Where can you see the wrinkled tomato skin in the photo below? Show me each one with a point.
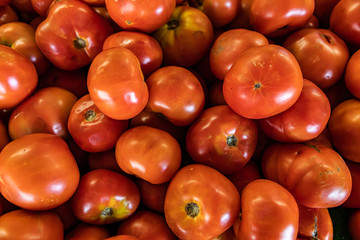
(89, 232)
(222, 139)
(46, 111)
(38, 172)
(189, 190)
(315, 174)
(352, 79)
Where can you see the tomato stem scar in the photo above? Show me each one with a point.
(90, 115)
(231, 140)
(107, 212)
(192, 209)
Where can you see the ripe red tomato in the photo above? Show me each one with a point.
(122, 237)
(303, 121)
(84, 231)
(264, 81)
(250, 172)
(104, 196)
(103, 160)
(38, 172)
(322, 11)
(149, 153)
(24, 224)
(354, 199)
(200, 203)
(47, 111)
(127, 96)
(352, 78)
(4, 136)
(7, 15)
(315, 174)
(222, 139)
(268, 211)
(66, 215)
(18, 77)
(152, 195)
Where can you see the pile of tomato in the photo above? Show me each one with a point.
(179, 119)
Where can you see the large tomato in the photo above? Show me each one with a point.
(200, 203)
(352, 78)
(116, 83)
(315, 174)
(38, 172)
(264, 81)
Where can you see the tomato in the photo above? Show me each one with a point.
(352, 80)
(7, 15)
(338, 93)
(322, 11)
(354, 199)
(152, 195)
(104, 196)
(353, 224)
(186, 38)
(200, 203)
(222, 139)
(18, 77)
(91, 129)
(344, 131)
(149, 153)
(103, 160)
(4, 136)
(38, 172)
(264, 81)
(227, 235)
(122, 237)
(146, 225)
(250, 172)
(78, 42)
(145, 15)
(229, 46)
(46, 111)
(23, 225)
(315, 223)
(344, 21)
(89, 232)
(268, 211)
(216, 96)
(315, 174)
(41, 7)
(21, 37)
(66, 215)
(304, 120)
(312, 49)
(176, 93)
(127, 96)
(144, 46)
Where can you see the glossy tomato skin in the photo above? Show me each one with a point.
(149, 153)
(313, 48)
(264, 81)
(186, 38)
(315, 174)
(116, 83)
(67, 42)
(344, 21)
(352, 79)
(89, 232)
(176, 93)
(38, 172)
(144, 46)
(354, 199)
(18, 77)
(195, 208)
(21, 37)
(222, 139)
(146, 225)
(144, 16)
(7, 15)
(91, 129)
(46, 111)
(304, 120)
(34, 225)
(229, 46)
(344, 131)
(104, 197)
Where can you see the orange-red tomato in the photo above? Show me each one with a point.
(7, 15)
(354, 199)
(352, 78)
(122, 237)
(152, 195)
(38, 172)
(250, 172)
(103, 160)
(84, 231)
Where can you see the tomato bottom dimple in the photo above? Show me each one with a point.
(192, 209)
(231, 140)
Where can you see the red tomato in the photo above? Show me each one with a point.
(323, 9)
(344, 130)
(315, 174)
(103, 160)
(354, 222)
(313, 48)
(304, 120)
(227, 235)
(216, 96)
(176, 93)
(91, 129)
(122, 237)
(352, 79)
(264, 81)
(84, 231)
(145, 15)
(152, 195)
(200, 203)
(149, 153)
(41, 7)
(66, 214)
(7, 15)
(38, 172)
(146, 225)
(229, 46)
(354, 199)
(127, 96)
(104, 197)
(244, 176)
(23, 225)
(46, 111)
(344, 21)
(222, 139)
(78, 42)
(4, 136)
(18, 77)
(186, 38)
(144, 46)
(268, 211)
